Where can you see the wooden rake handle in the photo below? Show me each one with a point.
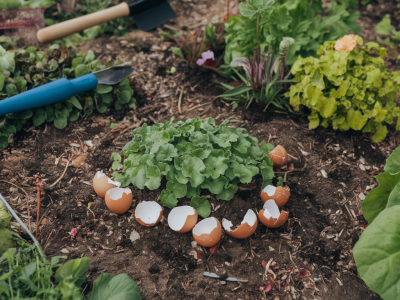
(69, 27)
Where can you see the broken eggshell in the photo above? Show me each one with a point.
(118, 200)
(270, 215)
(102, 183)
(279, 156)
(207, 232)
(245, 229)
(148, 213)
(182, 218)
(279, 194)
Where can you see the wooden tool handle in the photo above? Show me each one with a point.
(69, 27)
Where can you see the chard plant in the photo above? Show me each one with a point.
(26, 69)
(377, 252)
(26, 275)
(265, 23)
(347, 87)
(264, 81)
(193, 156)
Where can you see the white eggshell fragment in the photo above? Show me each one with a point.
(148, 213)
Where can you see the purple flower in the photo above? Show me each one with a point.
(207, 58)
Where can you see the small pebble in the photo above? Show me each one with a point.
(362, 168)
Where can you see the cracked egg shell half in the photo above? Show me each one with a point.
(148, 213)
(182, 218)
(245, 229)
(102, 183)
(207, 232)
(270, 215)
(278, 156)
(118, 200)
(279, 194)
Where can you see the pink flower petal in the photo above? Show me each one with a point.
(268, 288)
(73, 232)
(204, 56)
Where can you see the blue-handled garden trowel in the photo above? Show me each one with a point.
(62, 89)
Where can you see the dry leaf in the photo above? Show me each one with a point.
(79, 160)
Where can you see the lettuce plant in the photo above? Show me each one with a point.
(193, 156)
(392, 36)
(347, 89)
(377, 252)
(26, 69)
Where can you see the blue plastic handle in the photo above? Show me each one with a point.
(49, 93)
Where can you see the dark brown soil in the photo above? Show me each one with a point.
(325, 221)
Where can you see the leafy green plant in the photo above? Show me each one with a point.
(392, 36)
(377, 252)
(17, 4)
(26, 69)
(193, 156)
(264, 79)
(265, 23)
(347, 89)
(26, 275)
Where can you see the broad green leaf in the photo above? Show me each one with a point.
(81, 70)
(75, 270)
(215, 186)
(228, 192)
(104, 89)
(168, 199)
(39, 116)
(192, 168)
(191, 191)
(202, 206)
(11, 90)
(1, 82)
(244, 173)
(385, 26)
(166, 153)
(124, 97)
(153, 176)
(355, 119)
(393, 162)
(216, 164)
(119, 287)
(236, 91)
(177, 189)
(3, 141)
(377, 254)
(61, 123)
(377, 199)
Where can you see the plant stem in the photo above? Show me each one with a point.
(266, 107)
(258, 18)
(249, 102)
(38, 211)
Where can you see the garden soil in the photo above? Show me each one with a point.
(332, 172)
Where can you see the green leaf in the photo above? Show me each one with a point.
(355, 119)
(3, 141)
(153, 176)
(81, 70)
(228, 192)
(177, 51)
(177, 189)
(61, 123)
(75, 270)
(192, 168)
(377, 199)
(236, 91)
(1, 82)
(168, 199)
(385, 26)
(76, 62)
(104, 89)
(215, 186)
(39, 116)
(244, 173)
(201, 205)
(393, 162)
(377, 254)
(75, 102)
(216, 164)
(11, 90)
(124, 97)
(119, 287)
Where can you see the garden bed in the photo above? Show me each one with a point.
(333, 171)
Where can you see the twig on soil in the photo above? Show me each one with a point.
(293, 157)
(197, 106)
(265, 109)
(206, 110)
(292, 170)
(351, 218)
(61, 177)
(180, 101)
(251, 100)
(27, 200)
(39, 186)
(294, 123)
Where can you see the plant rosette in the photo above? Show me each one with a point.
(194, 156)
(347, 88)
